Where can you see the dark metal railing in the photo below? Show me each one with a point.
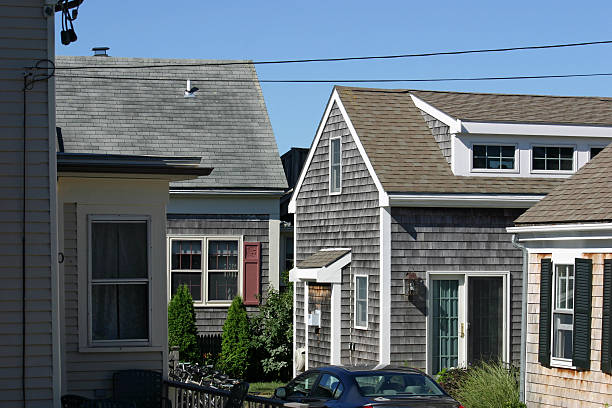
(185, 395)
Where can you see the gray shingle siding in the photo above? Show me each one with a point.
(319, 298)
(253, 228)
(447, 239)
(299, 315)
(440, 132)
(347, 220)
(226, 123)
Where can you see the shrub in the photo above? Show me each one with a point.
(272, 331)
(234, 358)
(489, 385)
(182, 330)
(450, 379)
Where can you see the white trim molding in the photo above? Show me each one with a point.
(384, 356)
(452, 123)
(336, 324)
(228, 192)
(327, 274)
(464, 200)
(561, 228)
(535, 129)
(335, 98)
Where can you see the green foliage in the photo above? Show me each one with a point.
(272, 331)
(450, 379)
(234, 358)
(488, 385)
(182, 330)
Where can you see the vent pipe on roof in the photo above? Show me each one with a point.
(100, 51)
(190, 91)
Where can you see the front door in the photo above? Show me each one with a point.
(485, 319)
(446, 318)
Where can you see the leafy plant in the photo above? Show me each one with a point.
(235, 345)
(272, 331)
(485, 385)
(182, 331)
(450, 379)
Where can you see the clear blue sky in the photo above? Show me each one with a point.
(271, 30)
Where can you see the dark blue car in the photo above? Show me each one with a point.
(362, 387)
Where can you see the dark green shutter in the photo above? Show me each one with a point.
(581, 355)
(606, 329)
(545, 312)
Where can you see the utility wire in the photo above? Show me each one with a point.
(375, 57)
(324, 81)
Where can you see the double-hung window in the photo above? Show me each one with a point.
(563, 312)
(493, 157)
(119, 281)
(211, 279)
(361, 302)
(552, 158)
(335, 167)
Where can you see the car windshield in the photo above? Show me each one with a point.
(400, 384)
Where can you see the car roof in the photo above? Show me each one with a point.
(368, 369)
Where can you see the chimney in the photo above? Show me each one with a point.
(100, 51)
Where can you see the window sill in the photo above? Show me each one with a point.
(552, 171)
(119, 349)
(495, 171)
(335, 193)
(211, 305)
(561, 363)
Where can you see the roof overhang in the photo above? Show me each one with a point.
(577, 235)
(228, 192)
(463, 200)
(105, 165)
(331, 273)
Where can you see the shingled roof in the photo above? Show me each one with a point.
(584, 197)
(145, 113)
(405, 155)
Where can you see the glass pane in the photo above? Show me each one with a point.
(595, 151)
(493, 163)
(120, 312)
(567, 152)
(480, 163)
(552, 164)
(493, 151)
(335, 151)
(562, 335)
(479, 150)
(187, 254)
(222, 255)
(445, 324)
(302, 384)
(192, 280)
(539, 164)
(362, 287)
(539, 152)
(222, 285)
(507, 163)
(508, 151)
(552, 153)
(567, 164)
(119, 250)
(335, 178)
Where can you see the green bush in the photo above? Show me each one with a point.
(489, 385)
(235, 344)
(272, 330)
(450, 379)
(182, 330)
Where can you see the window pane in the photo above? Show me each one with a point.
(362, 287)
(562, 335)
(567, 152)
(539, 152)
(567, 164)
(120, 312)
(361, 313)
(302, 384)
(539, 164)
(508, 151)
(493, 151)
(186, 254)
(480, 163)
(493, 163)
(223, 255)
(552, 164)
(192, 280)
(595, 151)
(507, 163)
(222, 285)
(335, 178)
(335, 151)
(479, 150)
(119, 250)
(552, 152)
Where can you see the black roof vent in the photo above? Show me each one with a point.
(100, 51)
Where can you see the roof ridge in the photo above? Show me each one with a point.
(150, 59)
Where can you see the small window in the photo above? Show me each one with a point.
(119, 284)
(335, 168)
(493, 157)
(595, 151)
(553, 158)
(222, 270)
(361, 302)
(563, 312)
(187, 266)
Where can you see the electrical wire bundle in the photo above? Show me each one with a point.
(68, 35)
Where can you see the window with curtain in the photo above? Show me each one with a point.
(361, 301)
(119, 284)
(335, 168)
(186, 266)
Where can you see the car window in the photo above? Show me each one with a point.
(327, 388)
(302, 384)
(386, 384)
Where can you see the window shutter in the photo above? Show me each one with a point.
(545, 312)
(251, 272)
(606, 332)
(581, 356)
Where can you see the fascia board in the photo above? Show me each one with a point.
(326, 274)
(464, 200)
(535, 129)
(452, 123)
(382, 195)
(560, 228)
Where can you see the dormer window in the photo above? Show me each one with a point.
(335, 168)
(493, 157)
(553, 158)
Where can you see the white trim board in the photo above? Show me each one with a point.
(383, 199)
(453, 124)
(327, 274)
(535, 129)
(464, 200)
(384, 356)
(562, 227)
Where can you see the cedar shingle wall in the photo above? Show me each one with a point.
(557, 387)
(319, 298)
(23, 41)
(299, 315)
(441, 133)
(447, 239)
(347, 220)
(253, 228)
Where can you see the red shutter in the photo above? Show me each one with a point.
(252, 266)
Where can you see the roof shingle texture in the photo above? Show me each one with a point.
(226, 123)
(584, 197)
(323, 258)
(405, 155)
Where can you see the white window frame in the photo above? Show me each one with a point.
(558, 361)
(205, 239)
(516, 168)
(367, 302)
(574, 158)
(91, 219)
(331, 190)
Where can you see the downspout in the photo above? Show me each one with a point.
(525, 277)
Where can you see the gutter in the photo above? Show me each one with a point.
(522, 364)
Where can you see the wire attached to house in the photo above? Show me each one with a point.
(359, 58)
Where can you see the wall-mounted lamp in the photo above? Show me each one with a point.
(411, 284)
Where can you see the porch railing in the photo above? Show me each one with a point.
(184, 395)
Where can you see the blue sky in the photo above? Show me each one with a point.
(271, 30)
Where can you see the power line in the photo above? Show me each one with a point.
(322, 81)
(375, 57)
